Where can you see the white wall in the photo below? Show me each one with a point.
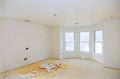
(1, 63)
(112, 43)
(55, 42)
(44, 42)
(1, 55)
(16, 36)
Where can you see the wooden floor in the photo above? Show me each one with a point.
(70, 69)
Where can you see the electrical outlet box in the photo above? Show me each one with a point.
(26, 48)
(25, 59)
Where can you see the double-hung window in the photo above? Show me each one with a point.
(98, 41)
(69, 41)
(84, 41)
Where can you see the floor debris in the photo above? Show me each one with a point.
(51, 67)
(43, 70)
(29, 75)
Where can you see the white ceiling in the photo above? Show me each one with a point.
(60, 12)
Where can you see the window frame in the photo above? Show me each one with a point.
(69, 41)
(98, 41)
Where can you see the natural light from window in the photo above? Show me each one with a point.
(98, 41)
(69, 40)
(84, 41)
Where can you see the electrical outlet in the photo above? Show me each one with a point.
(25, 59)
(26, 48)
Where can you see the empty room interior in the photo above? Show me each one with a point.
(59, 39)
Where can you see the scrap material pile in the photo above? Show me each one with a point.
(51, 67)
(43, 70)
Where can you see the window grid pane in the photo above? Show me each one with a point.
(98, 41)
(69, 41)
(69, 36)
(98, 36)
(84, 46)
(84, 41)
(69, 46)
(84, 36)
(98, 48)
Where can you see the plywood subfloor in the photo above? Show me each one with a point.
(72, 69)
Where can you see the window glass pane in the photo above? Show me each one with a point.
(98, 41)
(84, 46)
(98, 48)
(98, 35)
(84, 36)
(69, 36)
(69, 46)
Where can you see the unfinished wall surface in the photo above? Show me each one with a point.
(112, 43)
(1, 63)
(21, 40)
(43, 42)
(1, 54)
(55, 42)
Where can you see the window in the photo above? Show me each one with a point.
(84, 41)
(69, 41)
(98, 41)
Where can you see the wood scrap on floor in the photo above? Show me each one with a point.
(51, 66)
(43, 70)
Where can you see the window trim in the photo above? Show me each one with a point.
(98, 41)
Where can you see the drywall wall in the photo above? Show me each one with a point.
(55, 42)
(112, 43)
(1, 63)
(1, 55)
(16, 36)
